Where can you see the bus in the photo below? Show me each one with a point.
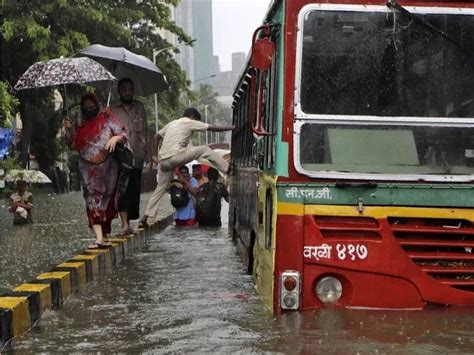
(352, 161)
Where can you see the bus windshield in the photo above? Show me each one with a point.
(387, 64)
(387, 149)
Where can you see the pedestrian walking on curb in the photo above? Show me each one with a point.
(131, 114)
(95, 139)
(176, 151)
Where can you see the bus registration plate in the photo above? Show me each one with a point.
(351, 252)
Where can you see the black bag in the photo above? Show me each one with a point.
(124, 155)
(179, 197)
(207, 199)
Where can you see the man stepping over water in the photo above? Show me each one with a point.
(176, 150)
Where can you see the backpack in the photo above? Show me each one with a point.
(179, 197)
(206, 200)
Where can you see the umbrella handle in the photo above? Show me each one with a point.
(65, 101)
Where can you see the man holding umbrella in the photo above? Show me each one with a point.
(132, 115)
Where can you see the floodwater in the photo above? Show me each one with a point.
(59, 231)
(187, 292)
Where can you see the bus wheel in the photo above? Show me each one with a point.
(250, 254)
(234, 233)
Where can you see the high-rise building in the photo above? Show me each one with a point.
(238, 61)
(195, 18)
(225, 82)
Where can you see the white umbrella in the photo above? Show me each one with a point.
(62, 71)
(30, 176)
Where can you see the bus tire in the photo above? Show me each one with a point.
(250, 259)
(234, 233)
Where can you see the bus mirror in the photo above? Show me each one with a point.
(262, 49)
(262, 54)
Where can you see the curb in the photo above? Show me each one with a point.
(21, 307)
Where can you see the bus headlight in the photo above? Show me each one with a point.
(329, 290)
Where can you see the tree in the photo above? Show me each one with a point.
(8, 105)
(35, 30)
(205, 99)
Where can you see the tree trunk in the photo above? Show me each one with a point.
(27, 113)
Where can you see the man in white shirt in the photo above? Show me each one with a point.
(176, 151)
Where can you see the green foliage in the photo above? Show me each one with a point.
(9, 163)
(45, 145)
(205, 100)
(36, 30)
(8, 106)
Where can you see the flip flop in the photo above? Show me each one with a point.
(143, 224)
(99, 246)
(124, 233)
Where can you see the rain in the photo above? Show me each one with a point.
(343, 135)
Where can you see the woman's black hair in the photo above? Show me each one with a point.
(212, 174)
(93, 97)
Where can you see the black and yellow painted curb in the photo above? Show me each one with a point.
(24, 305)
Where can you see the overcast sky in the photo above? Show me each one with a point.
(234, 22)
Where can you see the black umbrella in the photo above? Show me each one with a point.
(122, 63)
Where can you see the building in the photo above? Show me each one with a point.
(224, 82)
(195, 18)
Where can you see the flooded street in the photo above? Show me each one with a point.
(59, 231)
(187, 292)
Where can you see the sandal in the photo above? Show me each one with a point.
(104, 245)
(125, 232)
(143, 224)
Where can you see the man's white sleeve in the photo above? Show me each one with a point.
(199, 126)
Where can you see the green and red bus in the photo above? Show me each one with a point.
(353, 155)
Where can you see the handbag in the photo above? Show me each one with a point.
(124, 155)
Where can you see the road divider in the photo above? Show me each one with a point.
(21, 307)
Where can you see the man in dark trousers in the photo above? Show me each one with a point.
(132, 115)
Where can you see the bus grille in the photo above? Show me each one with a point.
(348, 228)
(443, 248)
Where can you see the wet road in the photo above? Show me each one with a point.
(187, 292)
(59, 231)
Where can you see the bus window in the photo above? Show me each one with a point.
(386, 64)
(387, 149)
(271, 110)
